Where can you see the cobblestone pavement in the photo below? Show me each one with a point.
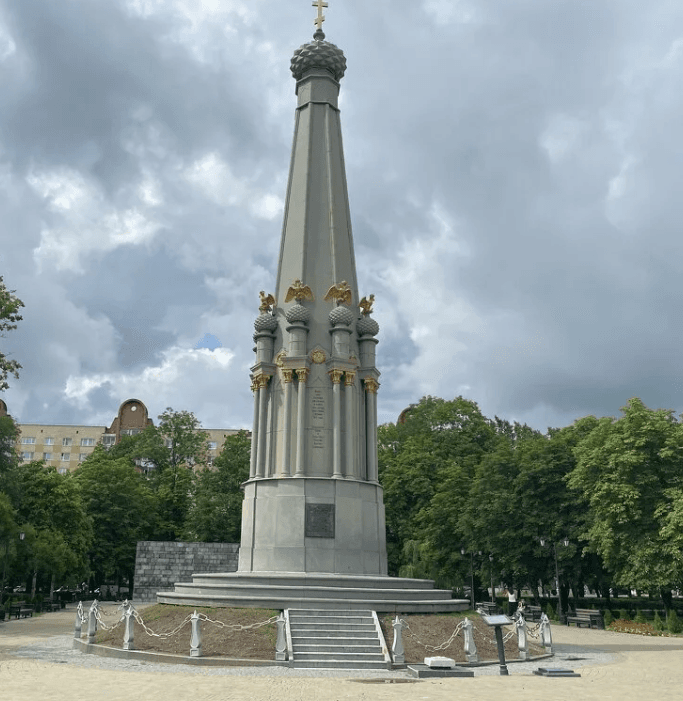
(37, 663)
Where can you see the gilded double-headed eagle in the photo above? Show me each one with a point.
(366, 304)
(267, 302)
(340, 292)
(299, 291)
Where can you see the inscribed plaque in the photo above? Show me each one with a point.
(320, 520)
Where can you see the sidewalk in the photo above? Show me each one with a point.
(38, 664)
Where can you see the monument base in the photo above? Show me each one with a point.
(309, 524)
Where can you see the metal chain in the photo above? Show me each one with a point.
(435, 648)
(493, 640)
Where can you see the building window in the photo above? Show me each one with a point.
(213, 445)
(62, 470)
(27, 456)
(130, 431)
(82, 457)
(47, 456)
(49, 441)
(28, 440)
(168, 442)
(66, 457)
(66, 441)
(108, 439)
(87, 441)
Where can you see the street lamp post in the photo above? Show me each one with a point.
(565, 542)
(464, 552)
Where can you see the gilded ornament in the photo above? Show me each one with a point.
(280, 358)
(366, 304)
(287, 375)
(339, 292)
(349, 378)
(371, 385)
(335, 376)
(267, 302)
(318, 356)
(299, 291)
(262, 380)
(302, 374)
(318, 21)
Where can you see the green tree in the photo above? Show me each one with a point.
(630, 471)
(216, 511)
(122, 509)
(9, 432)
(48, 502)
(10, 305)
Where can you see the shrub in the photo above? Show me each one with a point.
(673, 623)
(608, 618)
(624, 615)
(640, 617)
(550, 612)
(657, 624)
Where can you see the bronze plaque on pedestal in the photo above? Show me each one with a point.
(320, 520)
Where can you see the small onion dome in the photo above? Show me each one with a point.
(318, 54)
(297, 312)
(265, 322)
(367, 326)
(341, 315)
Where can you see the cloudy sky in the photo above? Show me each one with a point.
(515, 174)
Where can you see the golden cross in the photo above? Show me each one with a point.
(320, 18)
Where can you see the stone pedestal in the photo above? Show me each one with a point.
(322, 525)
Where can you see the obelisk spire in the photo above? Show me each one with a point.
(313, 502)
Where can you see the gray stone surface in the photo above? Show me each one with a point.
(159, 565)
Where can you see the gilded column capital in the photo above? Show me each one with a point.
(349, 377)
(335, 376)
(371, 385)
(254, 384)
(287, 375)
(302, 374)
(261, 380)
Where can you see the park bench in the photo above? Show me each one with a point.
(532, 613)
(50, 605)
(589, 617)
(489, 608)
(19, 609)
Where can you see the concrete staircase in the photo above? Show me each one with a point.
(342, 639)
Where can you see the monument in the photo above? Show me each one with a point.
(313, 528)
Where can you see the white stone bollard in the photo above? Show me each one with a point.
(397, 650)
(128, 631)
(522, 642)
(92, 622)
(78, 625)
(281, 642)
(470, 645)
(546, 635)
(196, 637)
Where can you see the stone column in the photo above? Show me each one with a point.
(335, 376)
(262, 423)
(254, 438)
(302, 376)
(351, 463)
(371, 387)
(286, 421)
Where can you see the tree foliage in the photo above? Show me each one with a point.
(216, 511)
(10, 305)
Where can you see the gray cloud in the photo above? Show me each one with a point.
(514, 176)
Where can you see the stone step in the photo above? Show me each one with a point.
(306, 627)
(351, 647)
(339, 664)
(275, 600)
(335, 593)
(341, 633)
(331, 612)
(306, 580)
(296, 619)
(348, 656)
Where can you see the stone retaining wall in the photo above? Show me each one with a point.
(159, 565)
